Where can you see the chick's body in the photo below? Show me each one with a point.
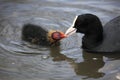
(37, 35)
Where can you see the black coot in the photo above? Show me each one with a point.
(97, 38)
(38, 35)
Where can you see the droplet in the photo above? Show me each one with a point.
(95, 59)
(13, 63)
(45, 56)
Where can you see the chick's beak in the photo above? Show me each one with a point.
(63, 35)
(70, 31)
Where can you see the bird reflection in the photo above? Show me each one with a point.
(57, 56)
(90, 66)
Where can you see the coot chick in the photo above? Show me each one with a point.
(96, 37)
(38, 35)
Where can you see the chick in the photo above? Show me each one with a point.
(38, 35)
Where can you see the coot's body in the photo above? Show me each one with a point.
(111, 37)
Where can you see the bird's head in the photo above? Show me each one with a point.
(85, 24)
(55, 36)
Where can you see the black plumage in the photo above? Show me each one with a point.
(35, 34)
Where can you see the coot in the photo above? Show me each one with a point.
(97, 38)
(38, 35)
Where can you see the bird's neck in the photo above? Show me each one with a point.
(49, 36)
(89, 41)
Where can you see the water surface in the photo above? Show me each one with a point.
(20, 60)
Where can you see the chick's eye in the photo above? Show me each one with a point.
(56, 36)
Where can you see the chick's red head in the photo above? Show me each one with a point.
(54, 35)
(58, 35)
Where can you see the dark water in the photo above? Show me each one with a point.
(20, 60)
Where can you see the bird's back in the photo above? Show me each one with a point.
(111, 39)
(35, 34)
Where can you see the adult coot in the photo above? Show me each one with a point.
(38, 35)
(96, 37)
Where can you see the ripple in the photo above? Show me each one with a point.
(66, 9)
(17, 47)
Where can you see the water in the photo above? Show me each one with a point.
(20, 60)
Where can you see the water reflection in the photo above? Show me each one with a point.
(56, 54)
(90, 66)
(92, 63)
